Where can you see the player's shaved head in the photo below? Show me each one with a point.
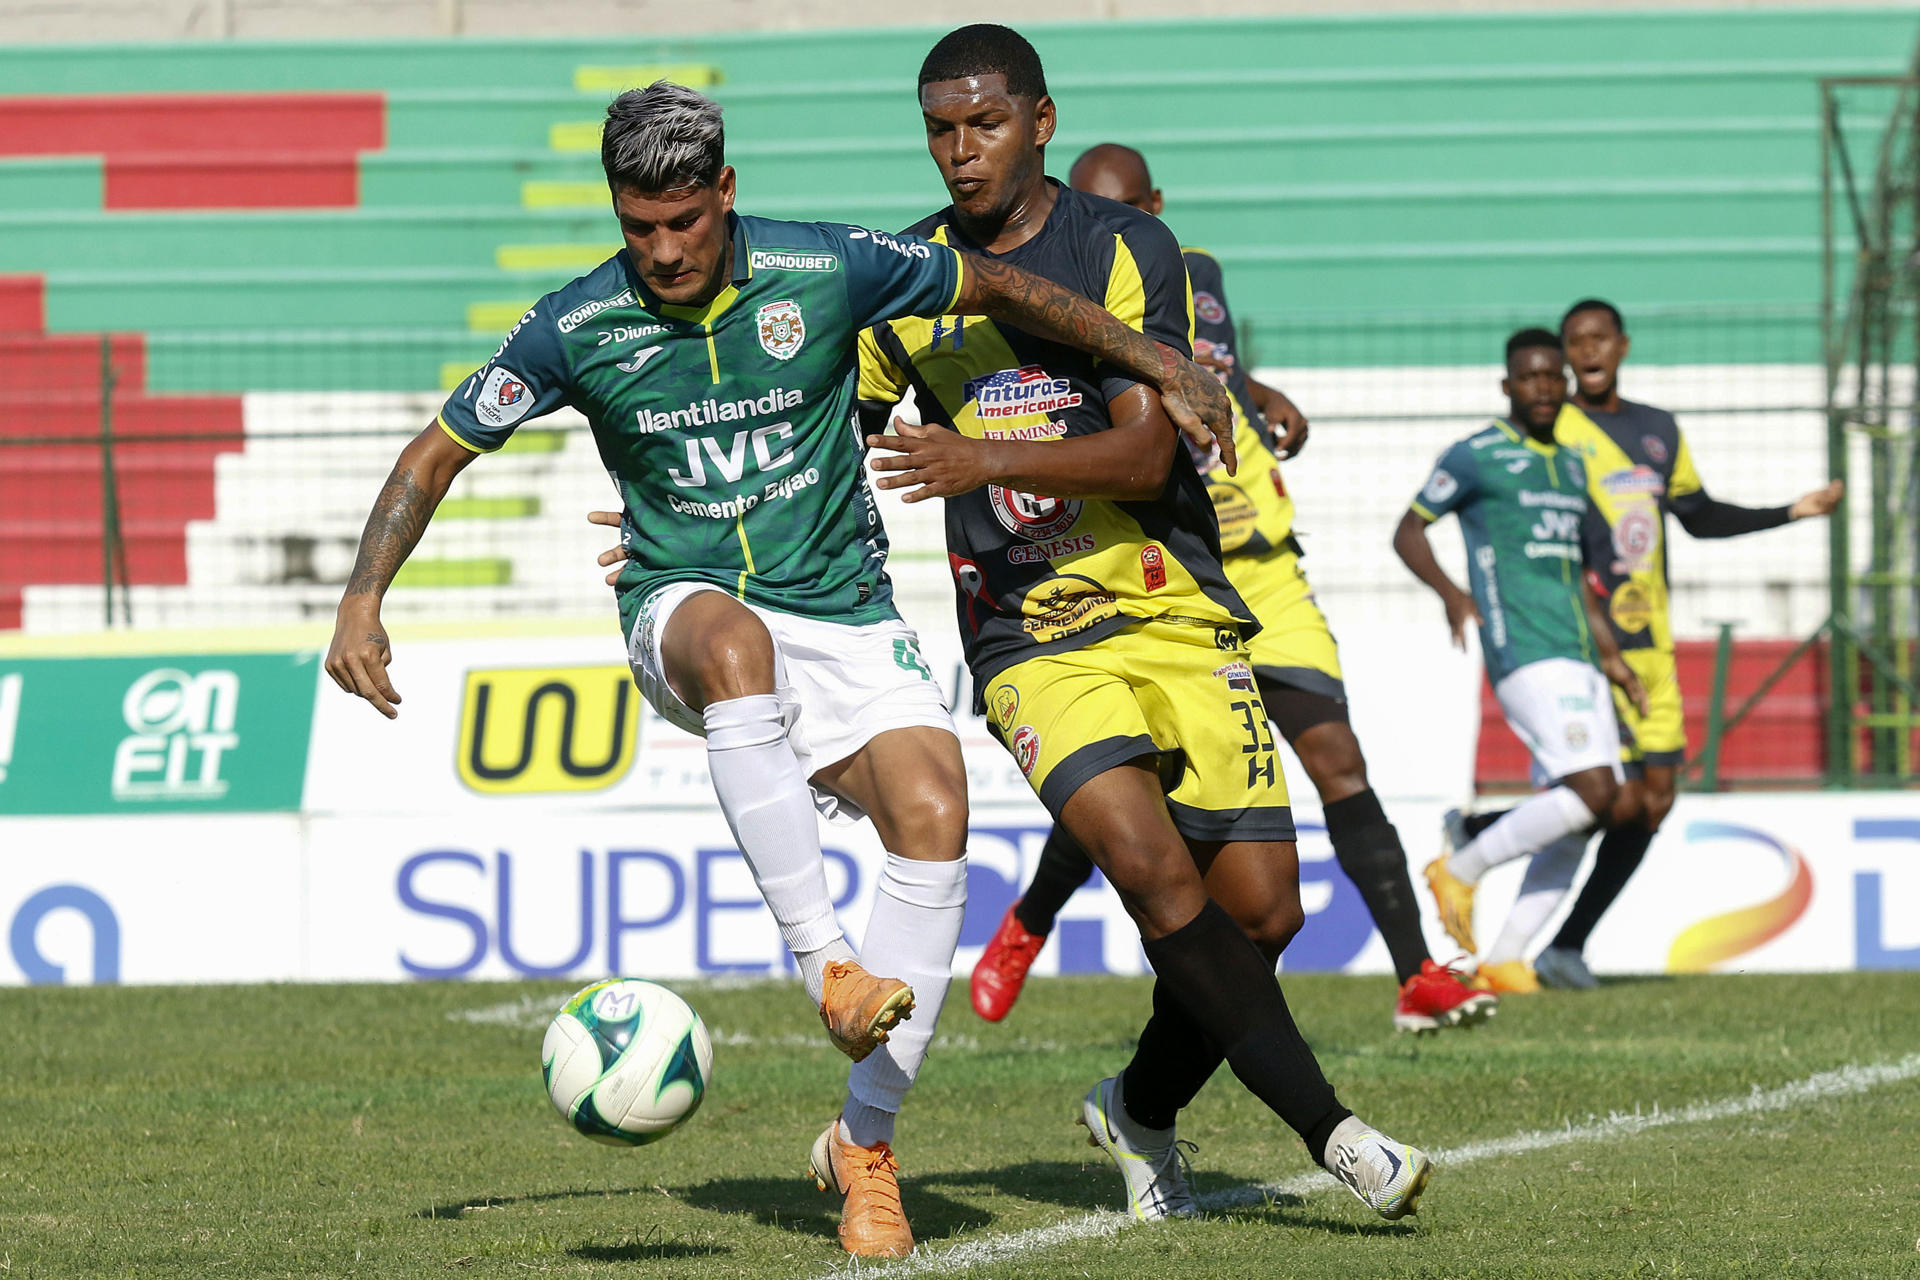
(983, 49)
(1118, 173)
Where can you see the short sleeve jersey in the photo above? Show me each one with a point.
(1254, 508)
(1033, 571)
(1637, 464)
(1520, 505)
(729, 428)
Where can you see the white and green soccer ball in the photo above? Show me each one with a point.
(626, 1061)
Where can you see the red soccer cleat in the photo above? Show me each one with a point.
(1003, 966)
(1437, 997)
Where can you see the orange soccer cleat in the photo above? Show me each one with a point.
(873, 1224)
(1003, 966)
(860, 1008)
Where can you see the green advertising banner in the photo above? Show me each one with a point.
(172, 733)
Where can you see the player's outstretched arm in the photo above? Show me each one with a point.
(1411, 545)
(1193, 398)
(1612, 664)
(358, 657)
(1283, 416)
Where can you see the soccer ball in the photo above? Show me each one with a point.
(626, 1061)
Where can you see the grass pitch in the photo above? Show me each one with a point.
(402, 1131)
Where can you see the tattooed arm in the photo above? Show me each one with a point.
(357, 660)
(1192, 397)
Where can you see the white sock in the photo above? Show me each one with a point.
(1549, 876)
(865, 1126)
(1533, 824)
(770, 811)
(912, 936)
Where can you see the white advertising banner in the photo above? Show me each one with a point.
(1802, 881)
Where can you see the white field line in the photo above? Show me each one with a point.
(1839, 1083)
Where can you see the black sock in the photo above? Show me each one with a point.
(1620, 852)
(1478, 822)
(1174, 1059)
(1370, 853)
(1227, 988)
(1064, 867)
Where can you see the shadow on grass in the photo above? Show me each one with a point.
(647, 1251)
(460, 1208)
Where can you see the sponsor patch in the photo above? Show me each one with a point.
(1440, 486)
(1208, 308)
(1636, 532)
(1014, 393)
(1042, 552)
(1065, 606)
(588, 310)
(1026, 748)
(1236, 515)
(1006, 705)
(1656, 449)
(639, 358)
(1238, 675)
(1030, 515)
(1631, 608)
(787, 260)
(1637, 480)
(504, 398)
(1576, 735)
(1226, 639)
(1153, 566)
(782, 329)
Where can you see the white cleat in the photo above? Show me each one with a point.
(1388, 1176)
(1150, 1160)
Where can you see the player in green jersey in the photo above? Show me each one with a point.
(715, 360)
(1543, 637)
(1104, 637)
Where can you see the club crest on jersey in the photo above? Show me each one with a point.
(782, 329)
(1030, 515)
(1636, 532)
(1006, 705)
(1153, 566)
(1440, 487)
(1656, 448)
(1026, 748)
(1014, 393)
(1208, 308)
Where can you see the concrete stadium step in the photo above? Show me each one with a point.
(123, 124)
(64, 484)
(772, 56)
(135, 414)
(71, 361)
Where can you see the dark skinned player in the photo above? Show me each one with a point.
(1105, 640)
(1295, 662)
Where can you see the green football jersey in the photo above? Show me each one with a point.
(1521, 504)
(728, 429)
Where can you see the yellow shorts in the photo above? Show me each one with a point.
(1182, 693)
(1660, 736)
(1295, 648)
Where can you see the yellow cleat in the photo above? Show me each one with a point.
(859, 1008)
(1454, 897)
(873, 1224)
(1507, 978)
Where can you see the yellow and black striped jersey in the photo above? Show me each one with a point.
(1254, 509)
(1033, 571)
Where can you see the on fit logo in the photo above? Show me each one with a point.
(180, 728)
(544, 729)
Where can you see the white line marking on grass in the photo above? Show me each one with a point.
(1838, 1083)
(532, 1013)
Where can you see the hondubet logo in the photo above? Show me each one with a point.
(180, 729)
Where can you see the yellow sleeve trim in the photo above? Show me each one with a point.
(1422, 512)
(459, 439)
(959, 277)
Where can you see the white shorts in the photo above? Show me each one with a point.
(1562, 709)
(839, 686)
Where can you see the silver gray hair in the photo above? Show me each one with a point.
(661, 138)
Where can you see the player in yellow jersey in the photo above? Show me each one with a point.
(1295, 662)
(1639, 469)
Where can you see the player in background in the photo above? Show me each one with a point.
(1638, 469)
(1104, 638)
(715, 359)
(1296, 663)
(1521, 499)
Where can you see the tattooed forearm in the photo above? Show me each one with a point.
(399, 517)
(1046, 310)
